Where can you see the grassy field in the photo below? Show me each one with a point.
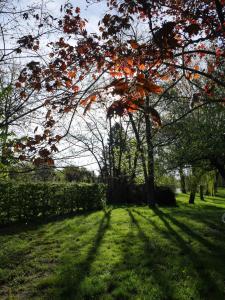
(123, 253)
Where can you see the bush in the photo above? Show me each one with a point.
(165, 196)
(29, 201)
(125, 193)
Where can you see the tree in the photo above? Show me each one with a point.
(73, 173)
(135, 66)
(185, 43)
(194, 142)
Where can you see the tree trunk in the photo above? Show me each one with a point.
(4, 156)
(111, 181)
(193, 186)
(216, 182)
(201, 189)
(182, 181)
(192, 197)
(143, 160)
(150, 154)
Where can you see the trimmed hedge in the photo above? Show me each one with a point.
(29, 201)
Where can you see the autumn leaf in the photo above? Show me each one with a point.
(128, 71)
(140, 76)
(68, 83)
(150, 86)
(67, 109)
(50, 161)
(140, 89)
(211, 68)
(132, 107)
(18, 84)
(84, 102)
(71, 74)
(87, 100)
(75, 88)
(44, 152)
(165, 77)
(155, 116)
(130, 61)
(77, 10)
(58, 137)
(23, 94)
(120, 86)
(196, 76)
(116, 74)
(141, 67)
(196, 67)
(134, 44)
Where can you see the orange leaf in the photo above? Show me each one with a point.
(196, 76)
(128, 71)
(130, 61)
(132, 107)
(134, 44)
(116, 74)
(140, 76)
(71, 74)
(152, 87)
(119, 85)
(68, 83)
(75, 88)
(88, 100)
(141, 67)
(165, 77)
(84, 102)
(140, 90)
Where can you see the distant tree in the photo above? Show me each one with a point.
(43, 173)
(78, 174)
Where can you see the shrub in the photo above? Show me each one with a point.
(123, 193)
(165, 196)
(29, 201)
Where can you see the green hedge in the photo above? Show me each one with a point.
(29, 201)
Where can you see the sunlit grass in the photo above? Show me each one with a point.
(122, 253)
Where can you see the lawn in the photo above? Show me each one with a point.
(122, 253)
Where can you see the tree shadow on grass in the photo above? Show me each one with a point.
(201, 264)
(71, 274)
(187, 230)
(153, 261)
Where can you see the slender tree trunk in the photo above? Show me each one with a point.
(4, 158)
(141, 150)
(192, 197)
(194, 186)
(182, 181)
(201, 192)
(111, 182)
(150, 155)
(216, 182)
(193, 193)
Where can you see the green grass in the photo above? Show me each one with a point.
(123, 253)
